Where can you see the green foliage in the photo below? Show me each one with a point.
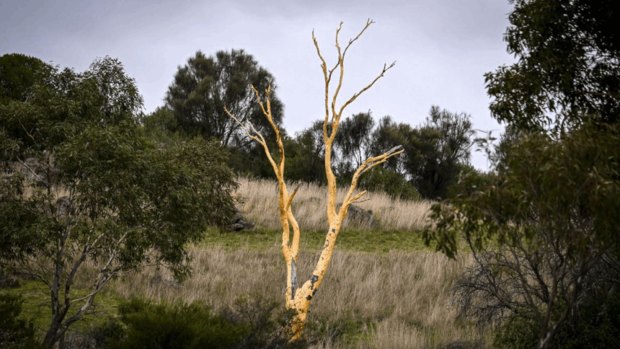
(83, 181)
(567, 65)
(435, 153)
(387, 135)
(389, 182)
(18, 73)
(19, 235)
(542, 227)
(348, 330)
(251, 323)
(14, 332)
(596, 326)
(249, 162)
(196, 102)
(181, 326)
(438, 150)
(157, 198)
(161, 125)
(305, 155)
(354, 140)
(517, 333)
(265, 323)
(206, 85)
(544, 235)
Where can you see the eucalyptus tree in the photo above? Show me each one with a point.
(354, 140)
(298, 297)
(566, 68)
(543, 225)
(82, 185)
(206, 84)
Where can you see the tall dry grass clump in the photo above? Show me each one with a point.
(402, 298)
(258, 201)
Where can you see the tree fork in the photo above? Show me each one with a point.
(298, 299)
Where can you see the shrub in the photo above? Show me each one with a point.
(14, 332)
(252, 322)
(265, 321)
(597, 325)
(172, 326)
(390, 182)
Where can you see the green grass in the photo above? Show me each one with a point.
(36, 306)
(348, 240)
(36, 297)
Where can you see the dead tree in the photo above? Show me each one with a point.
(299, 298)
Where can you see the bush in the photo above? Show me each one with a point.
(14, 332)
(597, 325)
(266, 323)
(252, 323)
(390, 182)
(517, 333)
(182, 326)
(348, 330)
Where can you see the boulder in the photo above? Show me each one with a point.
(239, 223)
(359, 217)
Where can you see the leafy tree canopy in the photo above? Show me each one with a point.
(82, 182)
(206, 85)
(567, 68)
(435, 152)
(542, 225)
(18, 73)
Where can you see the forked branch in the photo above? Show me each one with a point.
(331, 108)
(298, 298)
(290, 246)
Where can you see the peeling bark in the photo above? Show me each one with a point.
(293, 279)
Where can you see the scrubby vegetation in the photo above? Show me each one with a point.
(361, 304)
(114, 225)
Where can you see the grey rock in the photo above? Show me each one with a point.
(239, 223)
(359, 217)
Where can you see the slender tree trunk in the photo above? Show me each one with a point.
(303, 297)
(53, 336)
(298, 299)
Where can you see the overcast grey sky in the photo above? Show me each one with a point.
(442, 47)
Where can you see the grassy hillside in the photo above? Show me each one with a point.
(384, 289)
(393, 300)
(258, 200)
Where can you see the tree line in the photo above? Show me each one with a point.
(435, 151)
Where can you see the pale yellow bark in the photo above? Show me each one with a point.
(298, 298)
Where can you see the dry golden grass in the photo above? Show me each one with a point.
(404, 297)
(258, 201)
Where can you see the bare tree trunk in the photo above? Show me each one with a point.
(51, 335)
(298, 299)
